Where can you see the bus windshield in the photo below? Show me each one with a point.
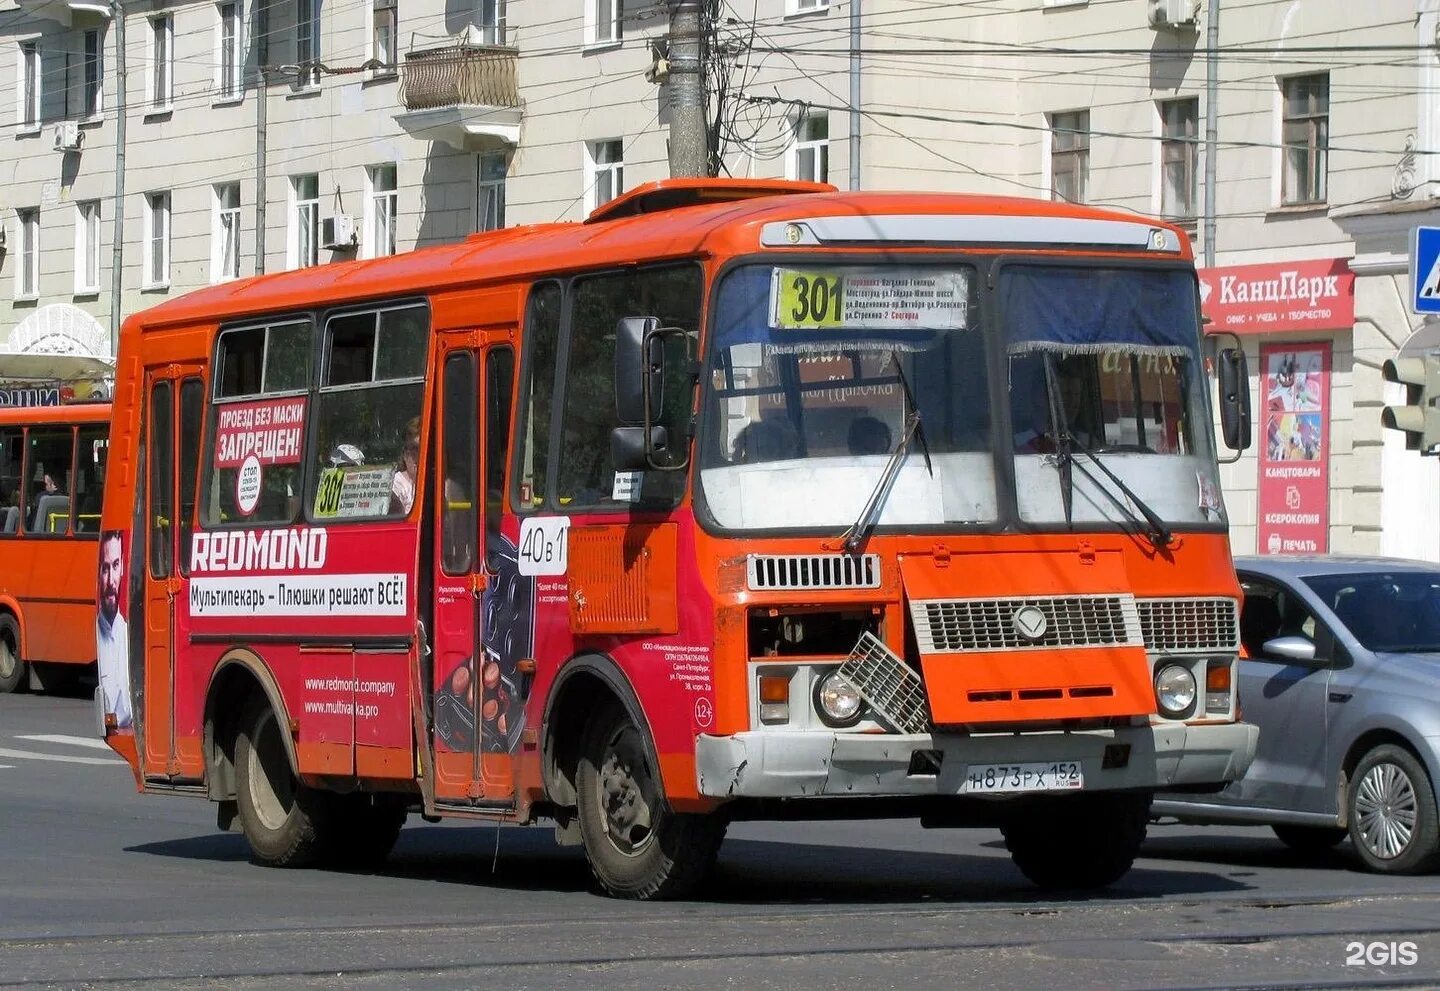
(807, 397)
(812, 370)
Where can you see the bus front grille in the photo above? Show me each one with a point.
(950, 626)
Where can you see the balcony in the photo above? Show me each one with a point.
(464, 93)
(67, 13)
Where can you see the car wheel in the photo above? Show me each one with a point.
(1309, 839)
(1393, 819)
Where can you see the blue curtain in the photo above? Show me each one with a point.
(1094, 309)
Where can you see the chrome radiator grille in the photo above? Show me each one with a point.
(955, 625)
(786, 571)
(1179, 625)
(891, 687)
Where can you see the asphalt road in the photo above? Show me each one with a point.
(104, 888)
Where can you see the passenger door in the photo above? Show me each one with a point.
(173, 404)
(473, 701)
(1286, 699)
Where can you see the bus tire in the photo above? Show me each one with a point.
(637, 846)
(12, 668)
(284, 822)
(1078, 843)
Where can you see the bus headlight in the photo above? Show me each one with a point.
(837, 701)
(1175, 690)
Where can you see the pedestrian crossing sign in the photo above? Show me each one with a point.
(1425, 270)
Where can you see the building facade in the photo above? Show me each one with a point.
(270, 134)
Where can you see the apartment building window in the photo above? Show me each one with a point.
(27, 273)
(157, 240)
(28, 85)
(605, 21)
(1069, 155)
(810, 148)
(604, 171)
(806, 6)
(1305, 134)
(305, 221)
(162, 62)
(228, 61)
(225, 233)
(490, 183)
(307, 41)
(91, 98)
(492, 21)
(383, 31)
(87, 246)
(380, 205)
(1179, 153)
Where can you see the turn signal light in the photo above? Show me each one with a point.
(1217, 676)
(774, 698)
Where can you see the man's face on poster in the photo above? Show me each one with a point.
(112, 568)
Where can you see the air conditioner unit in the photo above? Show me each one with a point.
(1162, 14)
(67, 136)
(337, 233)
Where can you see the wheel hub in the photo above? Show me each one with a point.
(625, 793)
(1386, 811)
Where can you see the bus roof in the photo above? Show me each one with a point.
(84, 411)
(677, 218)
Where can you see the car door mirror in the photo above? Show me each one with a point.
(1291, 648)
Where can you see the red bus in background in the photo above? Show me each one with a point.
(740, 499)
(52, 479)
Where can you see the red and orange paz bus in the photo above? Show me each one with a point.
(740, 499)
(52, 481)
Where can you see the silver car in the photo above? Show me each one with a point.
(1342, 675)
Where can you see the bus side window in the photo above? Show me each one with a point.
(672, 294)
(92, 446)
(367, 416)
(192, 401)
(499, 399)
(12, 452)
(50, 466)
(537, 394)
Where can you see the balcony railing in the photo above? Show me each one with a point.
(460, 74)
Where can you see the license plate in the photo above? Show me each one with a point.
(983, 779)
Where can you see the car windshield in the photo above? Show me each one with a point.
(1386, 611)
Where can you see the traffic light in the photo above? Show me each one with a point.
(1419, 417)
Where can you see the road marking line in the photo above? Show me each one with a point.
(74, 741)
(62, 758)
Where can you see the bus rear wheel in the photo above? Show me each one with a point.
(1078, 843)
(284, 822)
(12, 668)
(638, 847)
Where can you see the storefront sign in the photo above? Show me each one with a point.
(1258, 299)
(1293, 494)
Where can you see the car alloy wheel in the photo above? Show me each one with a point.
(1386, 810)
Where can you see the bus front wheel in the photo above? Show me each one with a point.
(638, 847)
(12, 668)
(284, 822)
(1078, 842)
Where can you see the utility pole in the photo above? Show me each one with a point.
(117, 246)
(1212, 91)
(689, 147)
(855, 39)
(262, 124)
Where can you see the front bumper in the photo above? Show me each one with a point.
(764, 764)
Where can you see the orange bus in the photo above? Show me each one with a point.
(52, 481)
(739, 499)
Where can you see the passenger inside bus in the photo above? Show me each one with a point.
(402, 485)
(52, 505)
(868, 435)
(771, 439)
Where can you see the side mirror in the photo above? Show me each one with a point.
(1291, 648)
(628, 451)
(639, 370)
(1233, 375)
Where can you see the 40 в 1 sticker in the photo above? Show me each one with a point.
(542, 548)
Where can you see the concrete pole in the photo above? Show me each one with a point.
(689, 147)
(117, 247)
(1212, 92)
(854, 94)
(262, 126)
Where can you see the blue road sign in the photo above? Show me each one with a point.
(1425, 270)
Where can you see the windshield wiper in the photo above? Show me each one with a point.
(855, 536)
(1157, 530)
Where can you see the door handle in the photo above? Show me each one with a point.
(1340, 696)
